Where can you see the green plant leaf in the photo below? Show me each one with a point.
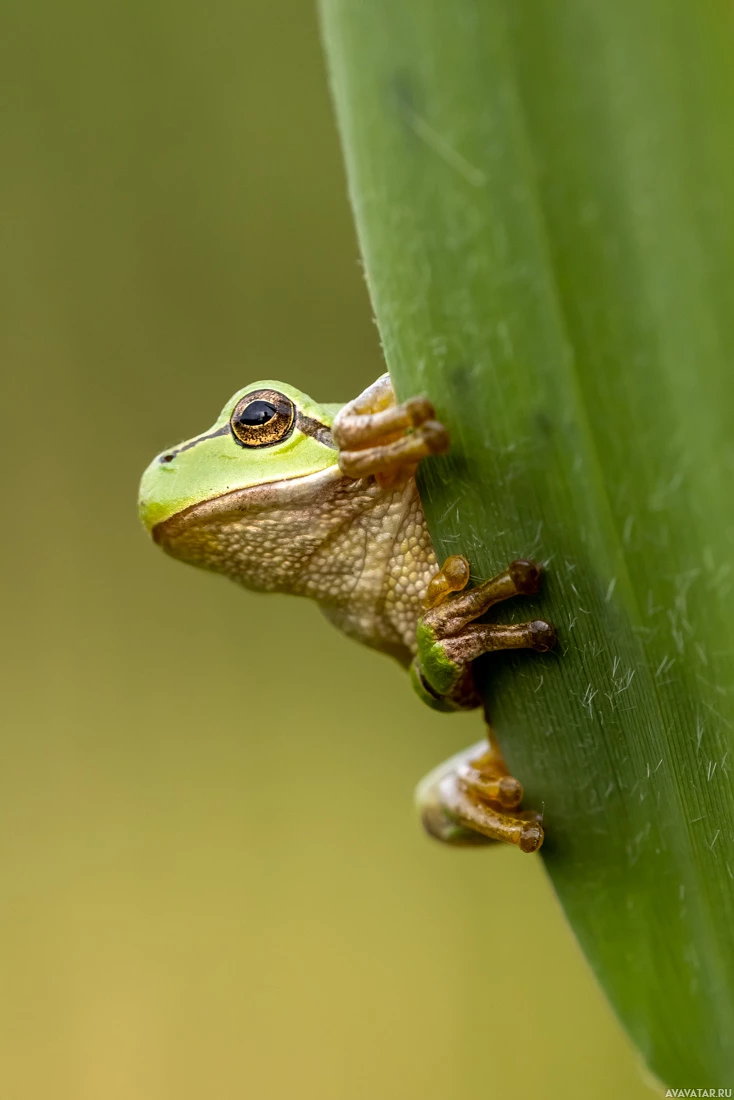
(544, 196)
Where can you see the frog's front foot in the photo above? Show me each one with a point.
(376, 436)
(473, 796)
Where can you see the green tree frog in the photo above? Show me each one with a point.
(285, 495)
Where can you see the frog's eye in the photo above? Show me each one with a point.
(262, 418)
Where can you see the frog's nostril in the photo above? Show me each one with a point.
(166, 458)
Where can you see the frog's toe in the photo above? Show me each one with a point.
(532, 834)
(472, 799)
(451, 607)
(378, 436)
(504, 790)
(461, 817)
(525, 575)
(405, 451)
(453, 576)
(542, 635)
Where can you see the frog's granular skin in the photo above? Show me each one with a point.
(361, 551)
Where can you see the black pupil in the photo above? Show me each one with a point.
(257, 412)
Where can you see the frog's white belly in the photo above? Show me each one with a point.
(385, 563)
(361, 551)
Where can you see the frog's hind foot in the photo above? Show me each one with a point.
(472, 799)
(376, 436)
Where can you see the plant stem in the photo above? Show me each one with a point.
(543, 196)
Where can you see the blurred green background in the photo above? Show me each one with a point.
(210, 889)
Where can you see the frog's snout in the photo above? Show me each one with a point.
(153, 497)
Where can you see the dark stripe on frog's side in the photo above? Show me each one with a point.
(304, 423)
(315, 428)
(170, 455)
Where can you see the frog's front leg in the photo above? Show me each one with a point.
(473, 796)
(377, 436)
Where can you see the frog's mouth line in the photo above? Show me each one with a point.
(236, 502)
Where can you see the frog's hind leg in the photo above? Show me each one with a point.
(377, 436)
(472, 799)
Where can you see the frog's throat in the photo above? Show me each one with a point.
(236, 502)
(361, 551)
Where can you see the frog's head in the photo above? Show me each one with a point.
(268, 440)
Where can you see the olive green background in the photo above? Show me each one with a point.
(213, 882)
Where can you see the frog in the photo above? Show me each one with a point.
(283, 494)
